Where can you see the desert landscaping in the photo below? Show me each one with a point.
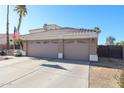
(106, 73)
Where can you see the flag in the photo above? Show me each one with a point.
(15, 34)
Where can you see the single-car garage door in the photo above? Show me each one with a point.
(76, 49)
(46, 49)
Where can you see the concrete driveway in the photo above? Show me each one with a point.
(50, 73)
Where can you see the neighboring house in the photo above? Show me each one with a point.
(53, 41)
(3, 41)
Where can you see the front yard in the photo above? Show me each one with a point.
(106, 73)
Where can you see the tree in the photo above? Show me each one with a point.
(19, 43)
(110, 40)
(97, 30)
(21, 11)
(7, 28)
(120, 43)
(45, 26)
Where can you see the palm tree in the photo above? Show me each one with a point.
(21, 11)
(7, 28)
(97, 30)
(110, 40)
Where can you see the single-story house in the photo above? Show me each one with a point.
(53, 41)
(3, 41)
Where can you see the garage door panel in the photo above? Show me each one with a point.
(43, 49)
(77, 49)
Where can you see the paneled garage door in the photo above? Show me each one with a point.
(46, 49)
(76, 49)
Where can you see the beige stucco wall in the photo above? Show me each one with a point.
(93, 46)
(60, 46)
(24, 46)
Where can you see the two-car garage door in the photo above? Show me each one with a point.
(43, 49)
(76, 49)
(72, 49)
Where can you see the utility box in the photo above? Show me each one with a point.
(94, 58)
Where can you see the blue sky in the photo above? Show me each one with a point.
(110, 19)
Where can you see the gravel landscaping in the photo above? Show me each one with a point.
(106, 73)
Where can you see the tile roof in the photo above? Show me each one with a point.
(62, 31)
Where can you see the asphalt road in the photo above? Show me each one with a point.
(28, 72)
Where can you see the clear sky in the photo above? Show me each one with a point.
(110, 19)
